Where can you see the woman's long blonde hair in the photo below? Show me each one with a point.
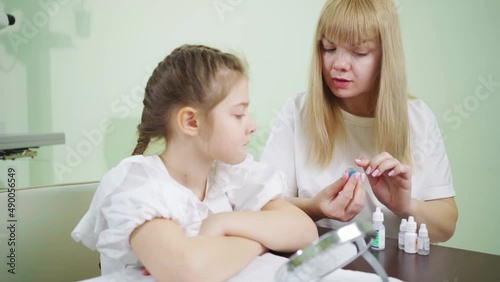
(352, 22)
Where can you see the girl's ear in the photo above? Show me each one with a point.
(187, 121)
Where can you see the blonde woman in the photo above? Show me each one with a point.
(357, 113)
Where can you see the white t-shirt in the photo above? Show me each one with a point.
(140, 188)
(286, 150)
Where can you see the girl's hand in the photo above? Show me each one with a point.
(343, 199)
(390, 181)
(213, 225)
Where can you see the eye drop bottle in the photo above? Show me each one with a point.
(401, 235)
(378, 225)
(423, 240)
(411, 236)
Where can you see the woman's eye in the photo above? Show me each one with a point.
(360, 54)
(239, 116)
(332, 49)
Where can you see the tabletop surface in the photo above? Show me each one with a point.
(443, 264)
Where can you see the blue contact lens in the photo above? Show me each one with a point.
(352, 172)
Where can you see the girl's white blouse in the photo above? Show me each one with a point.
(140, 188)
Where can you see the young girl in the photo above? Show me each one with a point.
(203, 209)
(357, 113)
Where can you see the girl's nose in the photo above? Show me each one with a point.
(252, 127)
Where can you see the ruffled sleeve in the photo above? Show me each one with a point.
(250, 185)
(128, 195)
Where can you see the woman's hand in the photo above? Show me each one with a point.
(390, 181)
(341, 200)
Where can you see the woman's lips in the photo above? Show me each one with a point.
(340, 82)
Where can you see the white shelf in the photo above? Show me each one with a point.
(9, 141)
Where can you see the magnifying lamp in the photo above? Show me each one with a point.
(331, 251)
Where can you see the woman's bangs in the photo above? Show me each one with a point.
(350, 23)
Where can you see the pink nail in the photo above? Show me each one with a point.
(368, 170)
(375, 173)
(391, 173)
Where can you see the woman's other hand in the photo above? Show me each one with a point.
(343, 199)
(390, 181)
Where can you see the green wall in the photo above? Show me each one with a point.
(452, 62)
(79, 67)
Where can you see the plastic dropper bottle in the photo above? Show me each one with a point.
(423, 240)
(401, 235)
(378, 225)
(411, 236)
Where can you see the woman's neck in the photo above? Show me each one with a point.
(187, 167)
(360, 105)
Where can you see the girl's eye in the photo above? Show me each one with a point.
(239, 116)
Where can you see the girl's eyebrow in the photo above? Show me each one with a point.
(242, 104)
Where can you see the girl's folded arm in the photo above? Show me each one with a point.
(169, 255)
(279, 226)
